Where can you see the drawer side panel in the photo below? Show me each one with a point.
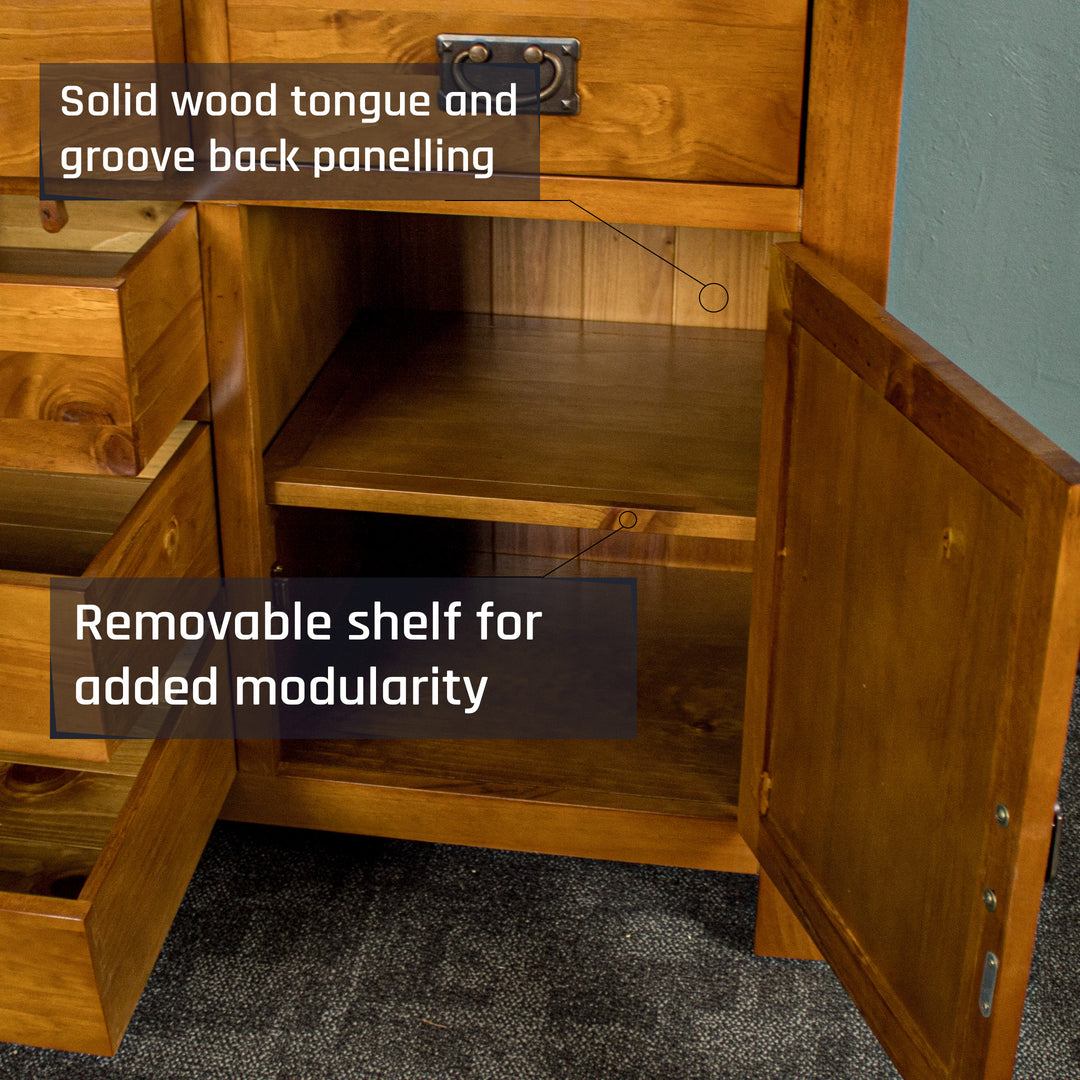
(171, 532)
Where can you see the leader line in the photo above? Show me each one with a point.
(704, 284)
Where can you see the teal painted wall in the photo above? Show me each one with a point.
(986, 238)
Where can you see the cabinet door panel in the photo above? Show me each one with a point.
(912, 660)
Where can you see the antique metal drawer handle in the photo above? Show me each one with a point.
(558, 94)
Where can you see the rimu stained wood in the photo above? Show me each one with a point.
(163, 529)
(34, 32)
(494, 418)
(95, 371)
(727, 108)
(929, 537)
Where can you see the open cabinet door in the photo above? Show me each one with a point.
(913, 651)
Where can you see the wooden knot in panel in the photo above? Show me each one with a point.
(171, 540)
(117, 455)
(52, 214)
(28, 781)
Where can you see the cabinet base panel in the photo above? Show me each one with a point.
(483, 821)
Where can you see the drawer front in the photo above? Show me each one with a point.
(679, 91)
(100, 355)
(34, 32)
(93, 867)
(170, 532)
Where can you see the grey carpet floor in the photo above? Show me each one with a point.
(308, 956)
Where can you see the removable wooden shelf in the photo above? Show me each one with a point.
(505, 418)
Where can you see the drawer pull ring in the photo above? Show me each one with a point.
(533, 55)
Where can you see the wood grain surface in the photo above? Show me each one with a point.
(96, 227)
(162, 529)
(917, 674)
(687, 92)
(96, 371)
(301, 275)
(466, 417)
(34, 32)
(667, 796)
(56, 822)
(755, 207)
(546, 267)
(118, 852)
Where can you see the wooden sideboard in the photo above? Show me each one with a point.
(857, 572)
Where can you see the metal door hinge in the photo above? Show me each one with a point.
(989, 981)
(1055, 844)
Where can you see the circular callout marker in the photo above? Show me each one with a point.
(713, 297)
(627, 519)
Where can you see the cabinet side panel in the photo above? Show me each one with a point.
(853, 135)
(301, 290)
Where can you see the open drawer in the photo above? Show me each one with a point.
(102, 340)
(158, 524)
(93, 866)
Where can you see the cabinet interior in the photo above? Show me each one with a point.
(693, 619)
(505, 391)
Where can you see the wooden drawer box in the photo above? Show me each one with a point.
(678, 91)
(59, 32)
(102, 352)
(97, 526)
(93, 866)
